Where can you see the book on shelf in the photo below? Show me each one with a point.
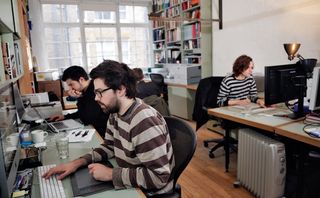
(6, 60)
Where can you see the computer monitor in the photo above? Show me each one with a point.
(280, 84)
(18, 103)
(284, 83)
(9, 155)
(315, 90)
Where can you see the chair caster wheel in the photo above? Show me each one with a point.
(205, 144)
(236, 184)
(211, 155)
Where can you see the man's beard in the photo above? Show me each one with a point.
(113, 108)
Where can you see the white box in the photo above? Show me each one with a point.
(47, 75)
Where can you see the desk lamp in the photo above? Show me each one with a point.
(304, 71)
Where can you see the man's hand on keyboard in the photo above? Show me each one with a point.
(100, 172)
(64, 170)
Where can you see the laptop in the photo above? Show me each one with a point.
(65, 125)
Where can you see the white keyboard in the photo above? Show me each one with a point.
(50, 187)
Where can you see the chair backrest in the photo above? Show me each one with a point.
(184, 143)
(158, 79)
(206, 97)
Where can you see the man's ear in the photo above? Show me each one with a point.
(122, 91)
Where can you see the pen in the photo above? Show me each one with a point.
(92, 155)
(78, 133)
(85, 133)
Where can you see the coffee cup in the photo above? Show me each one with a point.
(38, 136)
(13, 139)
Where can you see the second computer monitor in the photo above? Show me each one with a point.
(280, 85)
(315, 90)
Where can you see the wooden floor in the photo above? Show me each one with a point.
(206, 177)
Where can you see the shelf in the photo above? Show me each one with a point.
(170, 42)
(4, 28)
(195, 38)
(192, 8)
(158, 49)
(194, 51)
(191, 22)
(157, 28)
(159, 41)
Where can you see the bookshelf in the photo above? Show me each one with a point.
(181, 39)
(186, 48)
(12, 52)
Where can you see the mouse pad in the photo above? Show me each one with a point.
(84, 184)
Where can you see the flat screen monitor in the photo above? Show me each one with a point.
(315, 90)
(280, 85)
(18, 103)
(9, 154)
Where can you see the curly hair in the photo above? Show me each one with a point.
(115, 75)
(241, 64)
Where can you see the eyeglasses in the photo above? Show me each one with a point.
(100, 92)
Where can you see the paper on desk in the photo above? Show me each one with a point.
(78, 135)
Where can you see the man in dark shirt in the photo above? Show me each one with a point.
(145, 89)
(82, 88)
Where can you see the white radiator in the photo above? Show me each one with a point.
(261, 164)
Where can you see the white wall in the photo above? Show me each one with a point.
(259, 28)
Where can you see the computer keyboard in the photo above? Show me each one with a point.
(51, 187)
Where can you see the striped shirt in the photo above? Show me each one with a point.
(140, 142)
(232, 88)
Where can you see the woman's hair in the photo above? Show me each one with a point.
(240, 64)
(138, 73)
(115, 75)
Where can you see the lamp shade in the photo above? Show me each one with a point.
(291, 49)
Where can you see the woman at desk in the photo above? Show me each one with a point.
(239, 88)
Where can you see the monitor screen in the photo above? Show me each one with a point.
(9, 152)
(280, 85)
(315, 90)
(18, 103)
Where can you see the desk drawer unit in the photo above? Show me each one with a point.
(261, 164)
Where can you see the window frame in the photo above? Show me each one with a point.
(113, 5)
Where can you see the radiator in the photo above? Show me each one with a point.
(261, 164)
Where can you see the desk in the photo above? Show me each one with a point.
(264, 121)
(50, 156)
(295, 131)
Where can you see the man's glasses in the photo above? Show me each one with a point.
(100, 92)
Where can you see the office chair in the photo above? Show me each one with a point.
(206, 97)
(158, 79)
(184, 143)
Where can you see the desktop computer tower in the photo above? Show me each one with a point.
(261, 164)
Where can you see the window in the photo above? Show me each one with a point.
(62, 35)
(85, 34)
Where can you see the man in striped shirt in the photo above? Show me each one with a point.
(239, 88)
(137, 136)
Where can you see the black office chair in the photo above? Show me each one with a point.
(184, 141)
(158, 79)
(206, 97)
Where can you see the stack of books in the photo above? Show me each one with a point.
(312, 118)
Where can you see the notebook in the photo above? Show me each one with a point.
(84, 184)
(65, 125)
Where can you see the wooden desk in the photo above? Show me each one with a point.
(50, 156)
(262, 120)
(295, 131)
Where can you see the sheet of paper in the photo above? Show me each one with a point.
(82, 135)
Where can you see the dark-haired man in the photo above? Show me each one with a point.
(82, 87)
(137, 136)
